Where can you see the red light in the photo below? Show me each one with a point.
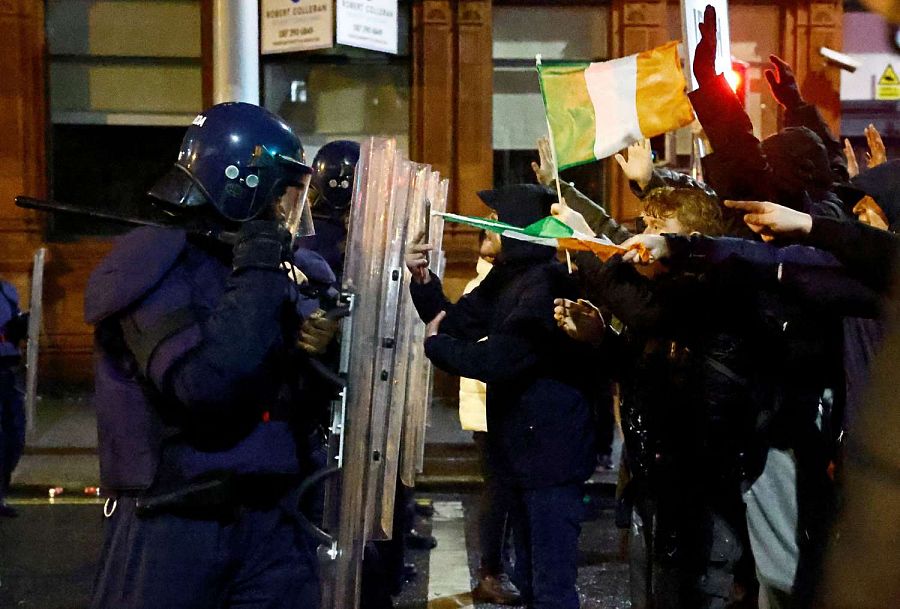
(735, 79)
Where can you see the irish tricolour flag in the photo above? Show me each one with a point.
(549, 231)
(596, 109)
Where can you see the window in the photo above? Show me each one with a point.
(578, 33)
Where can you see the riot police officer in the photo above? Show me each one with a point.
(201, 432)
(331, 193)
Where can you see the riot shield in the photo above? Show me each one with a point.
(382, 359)
(416, 363)
(362, 285)
(32, 345)
(383, 470)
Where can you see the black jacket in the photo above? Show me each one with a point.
(538, 380)
(737, 168)
(686, 368)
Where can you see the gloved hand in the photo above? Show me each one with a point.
(705, 55)
(783, 83)
(261, 244)
(17, 328)
(317, 332)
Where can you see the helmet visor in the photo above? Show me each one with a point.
(292, 209)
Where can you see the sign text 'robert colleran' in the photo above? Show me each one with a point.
(297, 10)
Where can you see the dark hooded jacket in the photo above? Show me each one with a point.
(863, 337)
(685, 372)
(742, 168)
(538, 381)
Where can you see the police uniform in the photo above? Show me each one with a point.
(12, 412)
(201, 429)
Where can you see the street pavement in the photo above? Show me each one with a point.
(48, 555)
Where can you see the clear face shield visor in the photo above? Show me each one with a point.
(292, 209)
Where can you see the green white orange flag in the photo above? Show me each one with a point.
(549, 231)
(597, 109)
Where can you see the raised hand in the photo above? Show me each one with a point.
(783, 83)
(581, 320)
(852, 163)
(770, 220)
(639, 165)
(705, 54)
(877, 153)
(546, 171)
(416, 258)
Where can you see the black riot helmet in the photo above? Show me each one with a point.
(332, 184)
(239, 159)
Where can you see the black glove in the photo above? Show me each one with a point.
(783, 83)
(261, 244)
(17, 328)
(705, 54)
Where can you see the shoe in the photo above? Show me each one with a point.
(498, 590)
(424, 507)
(417, 541)
(8, 511)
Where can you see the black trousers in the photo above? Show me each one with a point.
(260, 559)
(546, 526)
(495, 503)
(12, 426)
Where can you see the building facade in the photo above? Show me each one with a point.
(96, 93)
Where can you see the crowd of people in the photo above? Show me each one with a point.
(739, 326)
(736, 331)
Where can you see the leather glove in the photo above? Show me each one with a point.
(783, 83)
(705, 54)
(317, 332)
(261, 244)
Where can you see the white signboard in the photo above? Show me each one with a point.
(368, 24)
(691, 17)
(295, 25)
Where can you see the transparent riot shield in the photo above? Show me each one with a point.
(362, 282)
(32, 345)
(385, 453)
(438, 192)
(382, 360)
(416, 364)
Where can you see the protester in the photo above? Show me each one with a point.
(686, 410)
(494, 585)
(540, 435)
(792, 167)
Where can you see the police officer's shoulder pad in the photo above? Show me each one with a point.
(137, 262)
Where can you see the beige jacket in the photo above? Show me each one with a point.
(473, 393)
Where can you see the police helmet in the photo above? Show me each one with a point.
(332, 183)
(240, 159)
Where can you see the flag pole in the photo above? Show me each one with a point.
(537, 65)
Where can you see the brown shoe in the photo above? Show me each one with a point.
(498, 590)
